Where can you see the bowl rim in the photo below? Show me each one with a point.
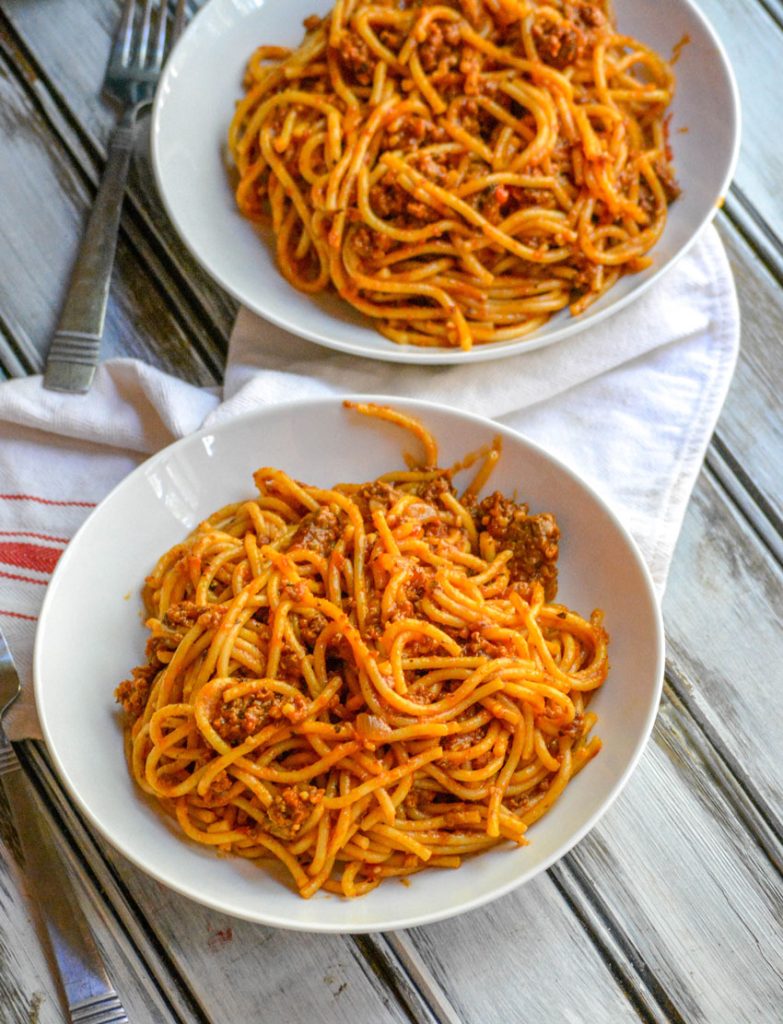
(416, 406)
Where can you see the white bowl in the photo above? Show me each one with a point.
(90, 634)
(195, 101)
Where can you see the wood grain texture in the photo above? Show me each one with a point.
(665, 886)
(45, 193)
(697, 898)
(754, 50)
(28, 989)
(509, 962)
(721, 578)
(69, 92)
(236, 969)
(751, 425)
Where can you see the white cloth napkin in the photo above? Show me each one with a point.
(630, 404)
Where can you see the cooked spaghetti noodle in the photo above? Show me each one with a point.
(458, 171)
(366, 680)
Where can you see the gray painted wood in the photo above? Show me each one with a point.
(43, 191)
(28, 992)
(26, 985)
(751, 425)
(730, 686)
(751, 34)
(70, 96)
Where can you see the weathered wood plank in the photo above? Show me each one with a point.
(754, 49)
(27, 986)
(45, 193)
(675, 867)
(69, 93)
(751, 424)
(28, 990)
(722, 586)
(509, 962)
(235, 968)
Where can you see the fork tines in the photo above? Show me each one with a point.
(143, 48)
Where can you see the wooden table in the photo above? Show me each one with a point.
(670, 910)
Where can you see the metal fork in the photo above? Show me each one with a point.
(132, 73)
(91, 998)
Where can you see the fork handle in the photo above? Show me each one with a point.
(88, 991)
(73, 355)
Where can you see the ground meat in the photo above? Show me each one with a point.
(532, 539)
(574, 728)
(134, 693)
(646, 200)
(586, 12)
(461, 740)
(442, 40)
(371, 246)
(493, 203)
(318, 532)
(478, 645)
(666, 177)
(407, 132)
(288, 810)
(183, 614)
(521, 198)
(431, 490)
(428, 164)
(559, 43)
(242, 717)
(392, 38)
(392, 202)
(219, 786)
(409, 595)
(211, 618)
(311, 628)
(289, 667)
(388, 199)
(470, 66)
(356, 59)
(430, 691)
(421, 646)
(585, 276)
(469, 117)
(373, 496)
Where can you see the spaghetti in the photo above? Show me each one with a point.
(363, 681)
(458, 171)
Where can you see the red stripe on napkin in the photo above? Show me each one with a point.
(18, 615)
(38, 536)
(24, 579)
(45, 501)
(29, 556)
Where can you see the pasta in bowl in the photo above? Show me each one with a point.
(158, 506)
(364, 680)
(196, 175)
(458, 172)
